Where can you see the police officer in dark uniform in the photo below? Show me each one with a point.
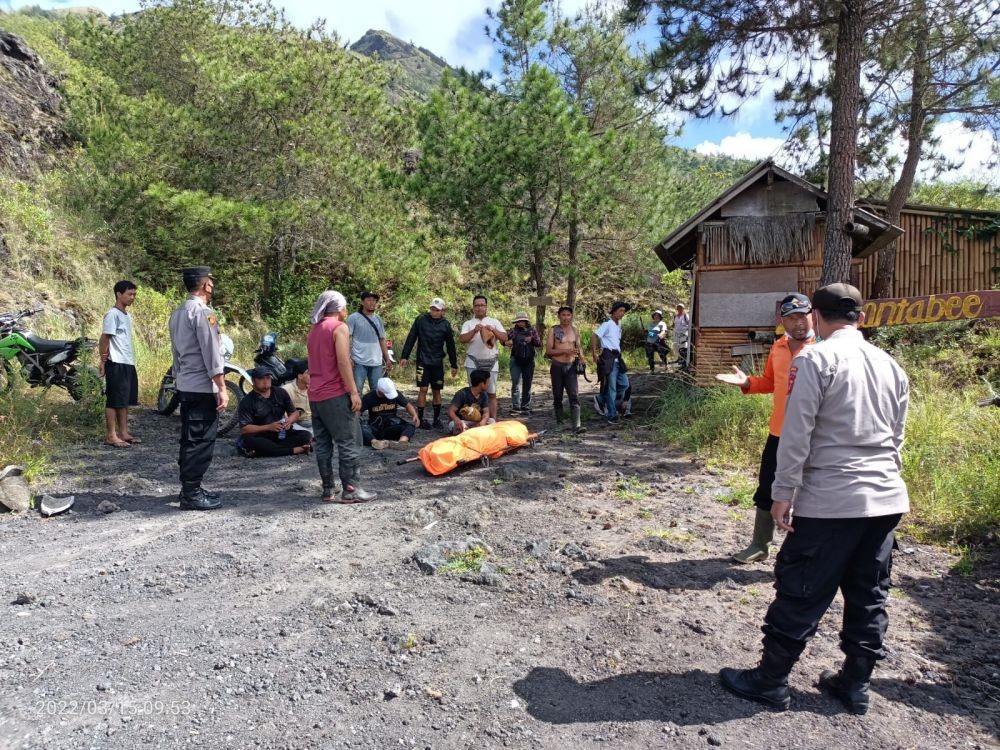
(198, 370)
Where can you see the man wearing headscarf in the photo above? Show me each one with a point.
(334, 399)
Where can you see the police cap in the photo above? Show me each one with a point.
(196, 273)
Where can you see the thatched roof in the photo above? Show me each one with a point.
(677, 250)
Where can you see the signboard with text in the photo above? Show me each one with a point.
(933, 308)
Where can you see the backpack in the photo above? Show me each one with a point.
(521, 349)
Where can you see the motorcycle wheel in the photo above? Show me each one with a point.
(77, 377)
(228, 418)
(167, 399)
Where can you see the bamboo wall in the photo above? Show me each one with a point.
(924, 263)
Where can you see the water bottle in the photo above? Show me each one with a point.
(283, 431)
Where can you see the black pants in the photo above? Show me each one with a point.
(391, 431)
(660, 348)
(267, 443)
(199, 427)
(564, 377)
(853, 555)
(765, 477)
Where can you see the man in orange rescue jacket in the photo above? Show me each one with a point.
(797, 322)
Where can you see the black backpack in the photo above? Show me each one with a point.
(521, 349)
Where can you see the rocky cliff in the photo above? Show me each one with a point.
(30, 122)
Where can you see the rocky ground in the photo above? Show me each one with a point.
(604, 606)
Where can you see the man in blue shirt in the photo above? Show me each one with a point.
(369, 352)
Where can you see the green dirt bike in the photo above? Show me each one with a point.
(43, 363)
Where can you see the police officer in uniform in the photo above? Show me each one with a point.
(839, 468)
(198, 370)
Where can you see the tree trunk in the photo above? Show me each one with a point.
(846, 98)
(573, 254)
(885, 274)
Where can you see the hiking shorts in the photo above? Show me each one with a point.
(121, 385)
(430, 375)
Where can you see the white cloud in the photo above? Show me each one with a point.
(744, 146)
(970, 151)
(452, 29)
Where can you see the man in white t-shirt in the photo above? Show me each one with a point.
(484, 336)
(606, 347)
(117, 367)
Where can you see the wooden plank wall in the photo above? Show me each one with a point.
(925, 266)
(713, 346)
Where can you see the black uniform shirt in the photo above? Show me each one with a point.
(255, 409)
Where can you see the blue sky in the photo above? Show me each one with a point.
(453, 29)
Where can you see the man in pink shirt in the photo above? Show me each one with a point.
(334, 399)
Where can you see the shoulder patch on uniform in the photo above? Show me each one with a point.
(212, 320)
(792, 372)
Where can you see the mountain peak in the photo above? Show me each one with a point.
(419, 69)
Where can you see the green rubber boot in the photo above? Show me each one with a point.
(560, 415)
(574, 412)
(763, 532)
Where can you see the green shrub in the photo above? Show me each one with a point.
(719, 424)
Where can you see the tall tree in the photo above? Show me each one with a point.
(714, 55)
(930, 62)
(537, 165)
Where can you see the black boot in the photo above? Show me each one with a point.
(850, 684)
(766, 683)
(192, 497)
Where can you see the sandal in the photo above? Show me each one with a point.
(118, 444)
(133, 440)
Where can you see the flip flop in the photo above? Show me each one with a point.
(119, 444)
(133, 440)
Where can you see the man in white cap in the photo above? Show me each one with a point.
(385, 429)
(656, 340)
(432, 333)
(523, 340)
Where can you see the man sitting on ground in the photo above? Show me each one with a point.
(266, 416)
(470, 406)
(298, 391)
(385, 429)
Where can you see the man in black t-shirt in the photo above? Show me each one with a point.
(385, 429)
(266, 416)
(470, 406)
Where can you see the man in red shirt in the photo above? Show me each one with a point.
(797, 322)
(334, 399)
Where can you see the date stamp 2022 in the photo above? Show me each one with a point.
(56, 707)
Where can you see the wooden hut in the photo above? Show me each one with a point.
(763, 238)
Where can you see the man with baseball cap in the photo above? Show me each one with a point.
(796, 319)
(385, 429)
(839, 470)
(432, 333)
(606, 346)
(369, 351)
(266, 416)
(201, 387)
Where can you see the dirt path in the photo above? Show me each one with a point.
(279, 622)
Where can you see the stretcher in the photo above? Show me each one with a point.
(481, 444)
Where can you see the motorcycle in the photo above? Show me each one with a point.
(168, 399)
(43, 362)
(266, 355)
